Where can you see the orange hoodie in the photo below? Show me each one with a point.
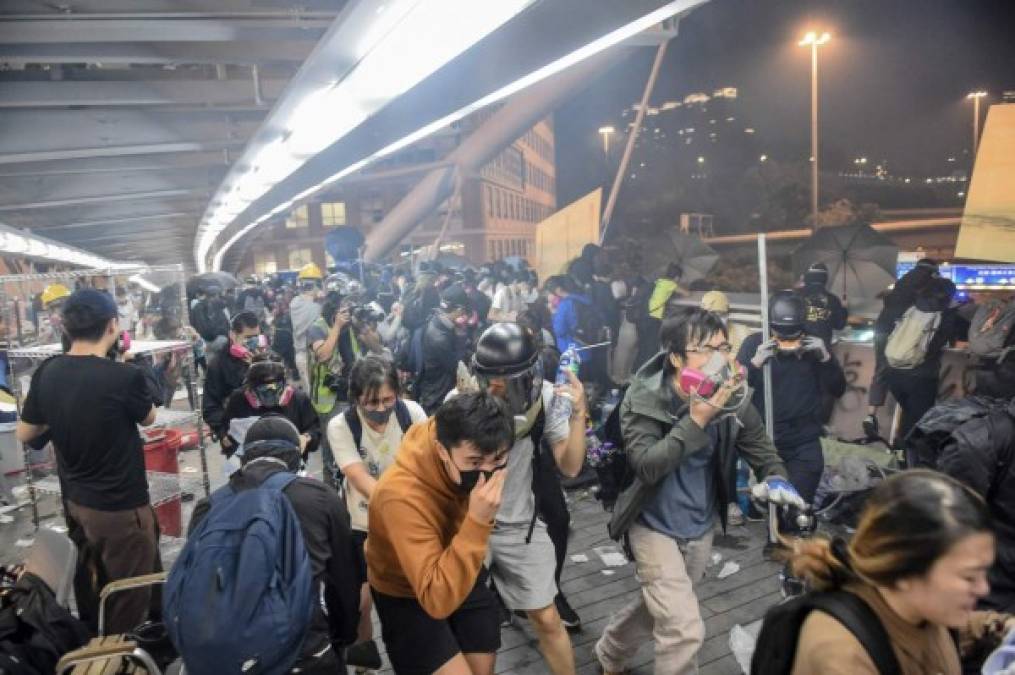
(422, 543)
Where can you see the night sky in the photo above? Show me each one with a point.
(893, 79)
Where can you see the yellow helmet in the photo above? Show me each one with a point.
(310, 271)
(53, 293)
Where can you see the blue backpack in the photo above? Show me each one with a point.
(241, 595)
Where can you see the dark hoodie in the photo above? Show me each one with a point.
(326, 534)
(423, 543)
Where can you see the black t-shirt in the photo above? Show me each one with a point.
(93, 406)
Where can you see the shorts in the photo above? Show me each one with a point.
(359, 557)
(523, 572)
(419, 644)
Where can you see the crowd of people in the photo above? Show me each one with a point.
(447, 406)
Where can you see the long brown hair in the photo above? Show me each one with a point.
(910, 521)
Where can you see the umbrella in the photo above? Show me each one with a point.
(695, 256)
(861, 261)
(209, 280)
(453, 261)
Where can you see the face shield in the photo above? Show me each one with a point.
(520, 391)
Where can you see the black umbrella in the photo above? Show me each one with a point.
(208, 281)
(861, 261)
(695, 257)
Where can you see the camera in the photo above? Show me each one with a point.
(364, 314)
(337, 383)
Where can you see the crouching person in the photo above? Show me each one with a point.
(431, 515)
(683, 449)
(266, 581)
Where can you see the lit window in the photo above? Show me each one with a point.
(333, 214)
(298, 218)
(298, 257)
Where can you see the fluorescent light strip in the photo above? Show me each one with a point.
(610, 39)
(405, 46)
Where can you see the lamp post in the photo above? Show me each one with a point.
(976, 96)
(813, 40)
(606, 132)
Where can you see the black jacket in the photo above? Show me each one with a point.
(325, 525)
(825, 312)
(799, 384)
(981, 454)
(300, 411)
(209, 320)
(225, 375)
(442, 350)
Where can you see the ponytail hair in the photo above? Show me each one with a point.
(909, 522)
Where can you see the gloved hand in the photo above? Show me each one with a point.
(816, 345)
(765, 351)
(777, 490)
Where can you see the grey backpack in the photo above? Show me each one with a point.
(991, 328)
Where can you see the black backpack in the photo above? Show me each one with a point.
(589, 323)
(780, 631)
(356, 428)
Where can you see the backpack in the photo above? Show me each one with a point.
(929, 436)
(991, 328)
(780, 631)
(589, 323)
(241, 595)
(908, 342)
(616, 475)
(356, 428)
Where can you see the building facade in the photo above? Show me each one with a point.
(493, 213)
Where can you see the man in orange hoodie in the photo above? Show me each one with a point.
(430, 517)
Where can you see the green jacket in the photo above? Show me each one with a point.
(658, 434)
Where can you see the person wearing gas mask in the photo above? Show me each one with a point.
(365, 441)
(90, 406)
(431, 517)
(227, 371)
(304, 310)
(685, 420)
(265, 392)
(529, 540)
(443, 345)
(803, 373)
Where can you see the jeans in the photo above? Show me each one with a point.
(666, 609)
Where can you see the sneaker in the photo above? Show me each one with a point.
(363, 655)
(734, 516)
(568, 616)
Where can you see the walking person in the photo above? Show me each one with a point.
(683, 450)
(365, 440)
(431, 515)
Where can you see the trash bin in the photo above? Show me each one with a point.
(161, 455)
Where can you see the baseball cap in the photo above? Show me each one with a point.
(93, 300)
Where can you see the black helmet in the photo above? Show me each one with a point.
(273, 436)
(506, 351)
(816, 275)
(786, 314)
(265, 384)
(265, 371)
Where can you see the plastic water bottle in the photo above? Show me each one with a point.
(568, 361)
(743, 480)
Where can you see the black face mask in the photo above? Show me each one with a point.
(471, 478)
(378, 416)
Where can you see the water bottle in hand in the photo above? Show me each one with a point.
(568, 361)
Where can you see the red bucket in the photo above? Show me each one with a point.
(161, 454)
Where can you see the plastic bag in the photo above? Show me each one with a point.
(742, 642)
(1002, 660)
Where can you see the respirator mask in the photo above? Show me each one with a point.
(701, 384)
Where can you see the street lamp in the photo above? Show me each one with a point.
(976, 96)
(606, 132)
(813, 40)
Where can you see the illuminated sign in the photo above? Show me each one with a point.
(973, 277)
